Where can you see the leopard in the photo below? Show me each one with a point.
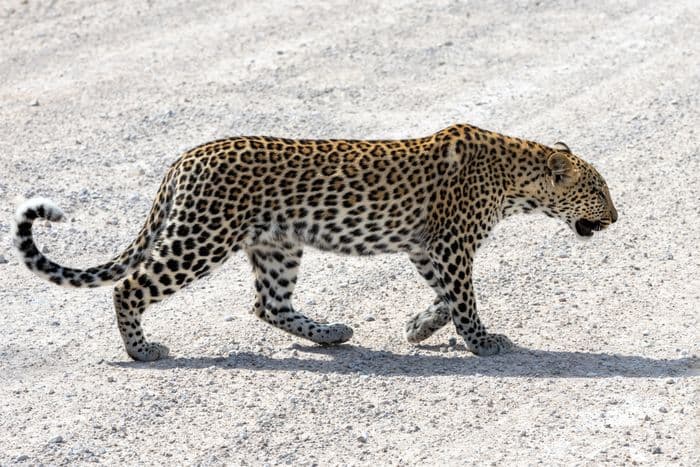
(434, 198)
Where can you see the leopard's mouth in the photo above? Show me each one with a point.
(585, 228)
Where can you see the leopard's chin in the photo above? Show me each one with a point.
(585, 228)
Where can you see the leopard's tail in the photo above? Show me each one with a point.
(104, 274)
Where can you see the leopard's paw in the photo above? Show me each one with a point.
(424, 324)
(490, 344)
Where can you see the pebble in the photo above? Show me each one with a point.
(3, 260)
(363, 437)
(56, 440)
(656, 450)
(452, 342)
(369, 318)
(110, 379)
(34, 103)
(228, 318)
(663, 410)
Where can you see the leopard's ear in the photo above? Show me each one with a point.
(561, 146)
(563, 172)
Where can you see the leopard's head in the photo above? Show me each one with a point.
(576, 193)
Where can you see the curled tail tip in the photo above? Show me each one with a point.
(34, 208)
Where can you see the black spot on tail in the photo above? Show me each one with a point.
(24, 229)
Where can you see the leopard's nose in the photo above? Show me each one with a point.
(613, 215)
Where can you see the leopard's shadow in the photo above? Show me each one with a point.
(353, 359)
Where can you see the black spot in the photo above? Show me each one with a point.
(177, 248)
(24, 229)
(173, 265)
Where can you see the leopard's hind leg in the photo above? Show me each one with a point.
(131, 298)
(276, 266)
(179, 257)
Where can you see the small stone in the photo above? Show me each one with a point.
(45, 249)
(363, 437)
(369, 318)
(663, 410)
(228, 318)
(55, 323)
(56, 440)
(452, 342)
(34, 103)
(656, 450)
(21, 458)
(110, 379)
(3, 260)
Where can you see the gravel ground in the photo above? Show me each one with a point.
(97, 98)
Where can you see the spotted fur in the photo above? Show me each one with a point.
(435, 198)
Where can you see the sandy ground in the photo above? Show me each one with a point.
(98, 98)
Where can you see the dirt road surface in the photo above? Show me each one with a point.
(97, 98)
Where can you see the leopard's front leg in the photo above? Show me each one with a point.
(452, 262)
(425, 323)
